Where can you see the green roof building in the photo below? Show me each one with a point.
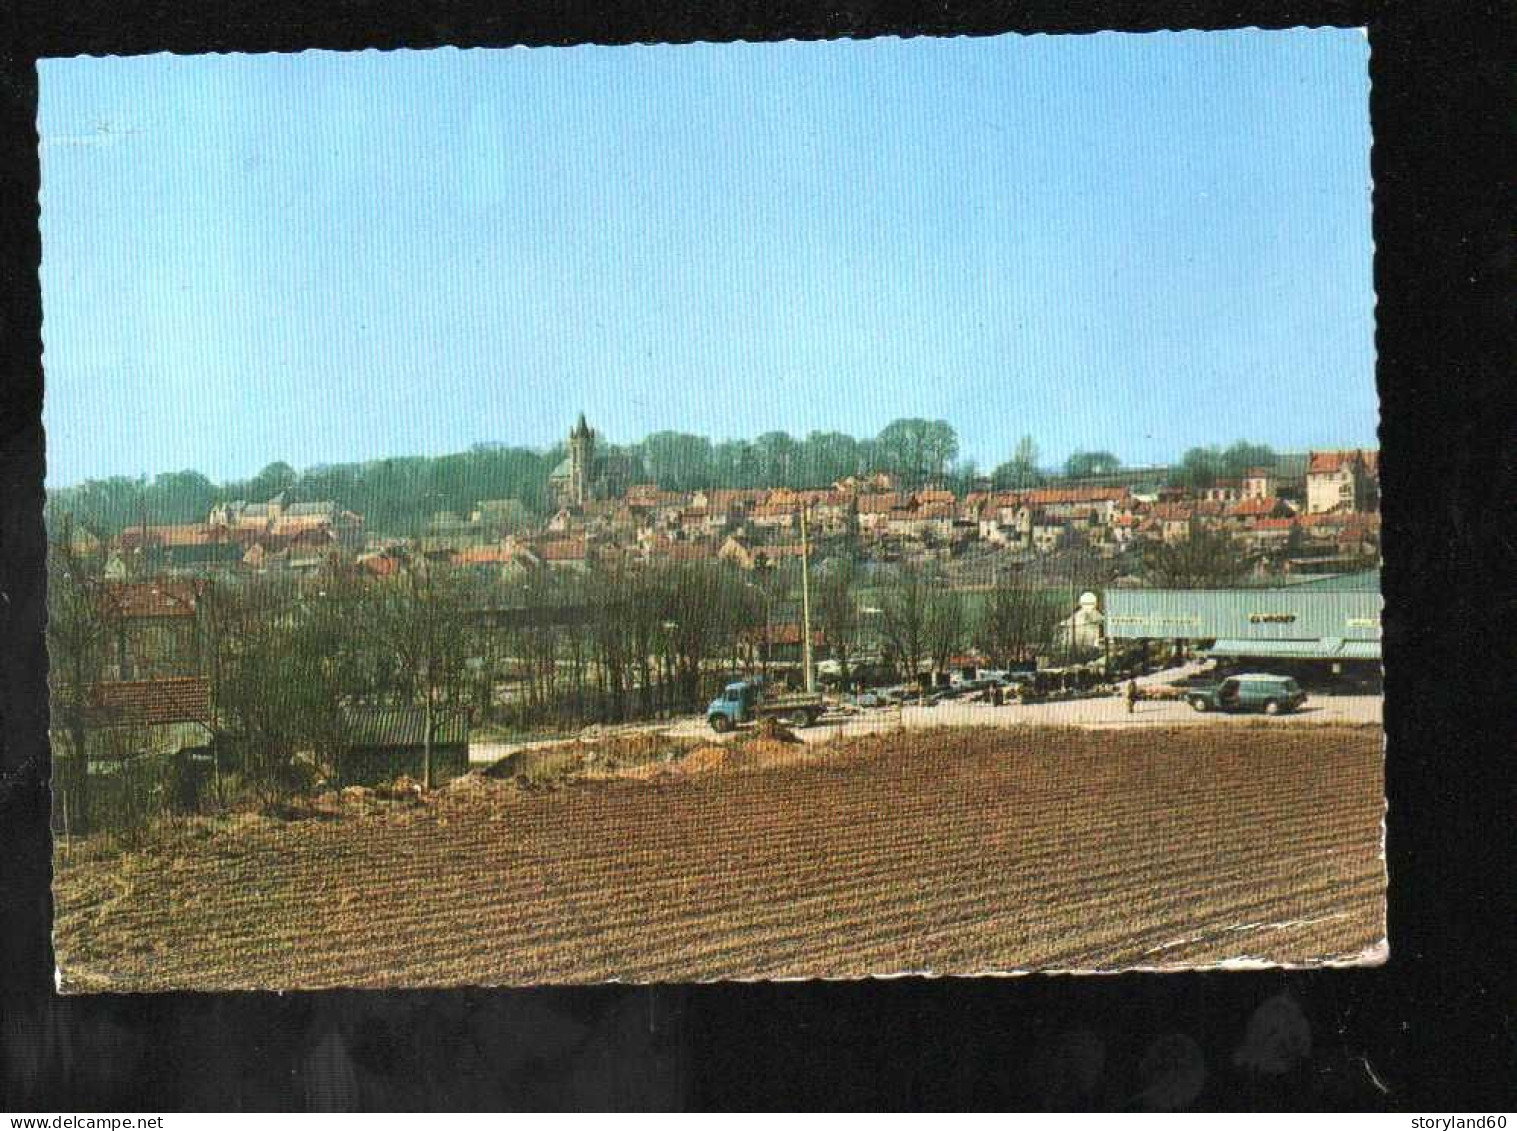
(1330, 618)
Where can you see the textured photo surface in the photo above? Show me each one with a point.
(717, 511)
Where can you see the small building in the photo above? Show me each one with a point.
(1260, 483)
(1342, 481)
(501, 516)
(1081, 631)
(155, 627)
(382, 743)
(571, 554)
(1224, 491)
(1048, 534)
(874, 510)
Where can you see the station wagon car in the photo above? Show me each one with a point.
(1272, 694)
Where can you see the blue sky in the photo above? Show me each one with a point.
(1131, 242)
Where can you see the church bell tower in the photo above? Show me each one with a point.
(581, 461)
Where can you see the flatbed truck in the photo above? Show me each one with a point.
(747, 700)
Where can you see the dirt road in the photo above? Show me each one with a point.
(1096, 714)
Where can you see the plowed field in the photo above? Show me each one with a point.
(955, 851)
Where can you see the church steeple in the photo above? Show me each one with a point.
(581, 462)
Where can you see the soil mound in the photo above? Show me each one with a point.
(473, 782)
(761, 753)
(772, 730)
(703, 759)
(403, 788)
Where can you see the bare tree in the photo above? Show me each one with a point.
(946, 627)
(1204, 559)
(422, 620)
(837, 612)
(275, 670)
(1016, 620)
(704, 611)
(612, 633)
(80, 627)
(904, 619)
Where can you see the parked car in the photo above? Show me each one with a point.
(1272, 694)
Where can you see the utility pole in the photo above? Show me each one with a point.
(768, 629)
(421, 595)
(806, 597)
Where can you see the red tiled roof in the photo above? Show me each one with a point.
(873, 481)
(1325, 463)
(881, 502)
(925, 497)
(484, 555)
(380, 565)
(1256, 505)
(684, 551)
(1050, 496)
(768, 509)
(299, 523)
(783, 634)
(187, 534)
(151, 702)
(306, 536)
(651, 495)
(1274, 524)
(563, 550)
(1342, 519)
(727, 498)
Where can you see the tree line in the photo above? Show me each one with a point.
(399, 496)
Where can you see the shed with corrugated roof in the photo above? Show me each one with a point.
(382, 743)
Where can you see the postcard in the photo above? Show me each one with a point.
(723, 511)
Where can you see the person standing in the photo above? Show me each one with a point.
(1132, 696)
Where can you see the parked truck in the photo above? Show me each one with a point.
(748, 699)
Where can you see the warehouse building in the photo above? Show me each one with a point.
(1330, 623)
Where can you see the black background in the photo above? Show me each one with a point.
(1431, 1031)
